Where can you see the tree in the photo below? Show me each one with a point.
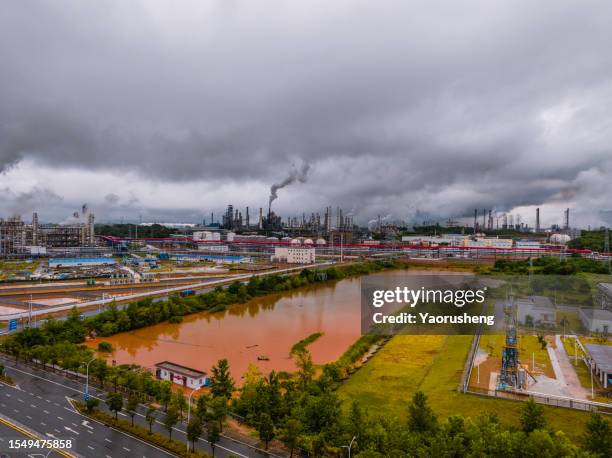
(598, 437)
(291, 434)
(221, 381)
(150, 417)
(421, 418)
(171, 419)
(532, 416)
(202, 407)
(194, 429)
(91, 404)
(213, 434)
(180, 401)
(165, 393)
(265, 428)
(115, 403)
(219, 411)
(131, 406)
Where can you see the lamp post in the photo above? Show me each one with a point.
(349, 446)
(189, 409)
(87, 378)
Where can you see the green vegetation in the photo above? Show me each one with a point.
(433, 364)
(547, 265)
(302, 344)
(105, 347)
(127, 230)
(4, 377)
(11, 270)
(590, 240)
(529, 347)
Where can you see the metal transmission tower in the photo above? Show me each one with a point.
(510, 375)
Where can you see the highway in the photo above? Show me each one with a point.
(11, 433)
(41, 401)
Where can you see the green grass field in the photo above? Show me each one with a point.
(434, 364)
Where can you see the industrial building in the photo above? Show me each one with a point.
(18, 238)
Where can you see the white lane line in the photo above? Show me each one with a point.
(126, 449)
(46, 411)
(33, 406)
(42, 423)
(60, 418)
(108, 440)
(28, 417)
(90, 447)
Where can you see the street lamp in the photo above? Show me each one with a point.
(349, 446)
(87, 379)
(189, 409)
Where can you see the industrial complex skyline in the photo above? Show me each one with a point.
(382, 108)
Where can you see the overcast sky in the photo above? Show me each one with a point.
(418, 109)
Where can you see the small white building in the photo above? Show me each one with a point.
(208, 236)
(213, 247)
(539, 310)
(600, 359)
(596, 320)
(181, 375)
(294, 254)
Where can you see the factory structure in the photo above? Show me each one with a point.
(18, 238)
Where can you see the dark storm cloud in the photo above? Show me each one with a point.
(420, 107)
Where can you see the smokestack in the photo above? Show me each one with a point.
(248, 224)
(475, 219)
(90, 224)
(260, 218)
(566, 222)
(537, 227)
(35, 229)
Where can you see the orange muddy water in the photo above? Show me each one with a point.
(264, 327)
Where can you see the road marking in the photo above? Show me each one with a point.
(57, 431)
(48, 401)
(75, 425)
(28, 417)
(86, 424)
(42, 423)
(108, 440)
(7, 395)
(15, 410)
(90, 432)
(33, 406)
(121, 413)
(46, 411)
(71, 430)
(55, 403)
(90, 447)
(20, 400)
(126, 449)
(60, 418)
(39, 397)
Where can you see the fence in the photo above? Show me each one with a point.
(551, 400)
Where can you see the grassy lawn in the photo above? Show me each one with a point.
(528, 347)
(8, 269)
(434, 365)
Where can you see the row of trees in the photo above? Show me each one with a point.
(548, 265)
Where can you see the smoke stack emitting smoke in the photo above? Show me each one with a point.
(295, 175)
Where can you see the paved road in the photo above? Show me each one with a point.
(9, 433)
(50, 392)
